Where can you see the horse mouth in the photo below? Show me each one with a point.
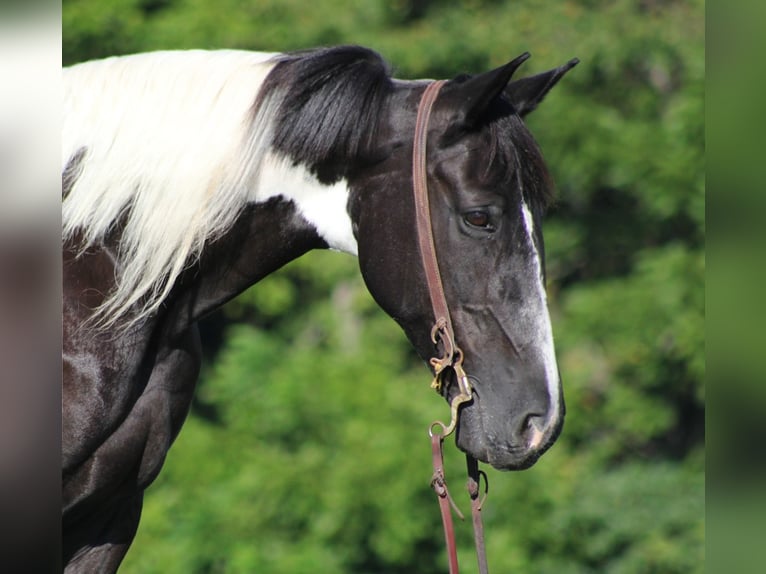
(501, 456)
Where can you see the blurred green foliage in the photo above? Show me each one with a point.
(306, 450)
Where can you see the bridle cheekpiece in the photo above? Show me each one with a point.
(443, 334)
(442, 331)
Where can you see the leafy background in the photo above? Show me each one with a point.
(306, 449)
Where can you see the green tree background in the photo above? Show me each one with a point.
(306, 448)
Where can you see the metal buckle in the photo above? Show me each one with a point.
(453, 357)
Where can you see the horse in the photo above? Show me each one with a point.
(188, 176)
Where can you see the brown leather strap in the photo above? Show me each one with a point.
(443, 322)
(439, 484)
(474, 482)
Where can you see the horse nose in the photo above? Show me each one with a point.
(531, 431)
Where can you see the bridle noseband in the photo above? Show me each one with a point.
(442, 332)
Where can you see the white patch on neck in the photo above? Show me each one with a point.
(324, 206)
(543, 327)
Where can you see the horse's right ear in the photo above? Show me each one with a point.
(525, 94)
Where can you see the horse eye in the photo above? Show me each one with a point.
(477, 219)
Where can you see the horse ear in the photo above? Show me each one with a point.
(472, 96)
(525, 94)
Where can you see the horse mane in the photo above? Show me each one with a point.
(163, 150)
(330, 105)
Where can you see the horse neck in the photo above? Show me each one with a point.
(266, 235)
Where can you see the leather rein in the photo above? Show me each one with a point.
(442, 334)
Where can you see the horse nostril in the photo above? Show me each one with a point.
(533, 430)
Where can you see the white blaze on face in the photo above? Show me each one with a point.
(324, 206)
(542, 326)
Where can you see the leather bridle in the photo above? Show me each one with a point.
(442, 334)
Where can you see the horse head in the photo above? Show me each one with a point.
(488, 187)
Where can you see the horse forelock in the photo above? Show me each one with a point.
(513, 145)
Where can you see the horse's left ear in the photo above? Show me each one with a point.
(525, 94)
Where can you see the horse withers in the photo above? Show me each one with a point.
(189, 176)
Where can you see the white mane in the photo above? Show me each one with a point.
(170, 151)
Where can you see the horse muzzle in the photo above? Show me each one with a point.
(508, 439)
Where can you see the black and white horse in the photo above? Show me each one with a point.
(189, 176)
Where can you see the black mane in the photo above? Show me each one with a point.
(329, 102)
